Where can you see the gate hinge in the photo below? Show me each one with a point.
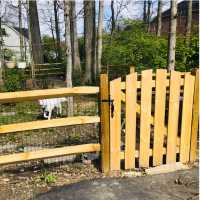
(107, 100)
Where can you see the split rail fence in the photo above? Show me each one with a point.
(18, 128)
(147, 120)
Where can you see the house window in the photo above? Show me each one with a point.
(3, 31)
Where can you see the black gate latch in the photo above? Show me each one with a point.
(111, 102)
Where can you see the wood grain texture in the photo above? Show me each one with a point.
(105, 123)
(48, 153)
(175, 82)
(159, 119)
(186, 118)
(195, 120)
(115, 124)
(130, 133)
(4, 129)
(150, 153)
(7, 97)
(145, 117)
(153, 83)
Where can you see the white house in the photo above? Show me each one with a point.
(11, 41)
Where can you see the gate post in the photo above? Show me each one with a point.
(105, 123)
(132, 69)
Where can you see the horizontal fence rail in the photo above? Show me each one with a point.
(40, 124)
(49, 153)
(7, 97)
(22, 127)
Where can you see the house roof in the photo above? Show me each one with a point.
(181, 9)
(24, 31)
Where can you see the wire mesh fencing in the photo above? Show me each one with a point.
(33, 140)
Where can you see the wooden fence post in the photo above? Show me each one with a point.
(105, 123)
(132, 69)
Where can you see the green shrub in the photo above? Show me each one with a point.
(13, 80)
(187, 57)
(8, 54)
(50, 50)
(144, 50)
(48, 178)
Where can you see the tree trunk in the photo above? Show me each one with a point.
(145, 11)
(30, 47)
(159, 18)
(20, 30)
(57, 30)
(99, 36)
(74, 40)
(172, 36)
(68, 54)
(35, 33)
(88, 36)
(189, 21)
(52, 33)
(149, 15)
(1, 55)
(94, 63)
(112, 17)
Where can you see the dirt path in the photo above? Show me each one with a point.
(23, 183)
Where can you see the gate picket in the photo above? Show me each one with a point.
(159, 121)
(195, 120)
(115, 124)
(145, 118)
(175, 82)
(130, 137)
(186, 118)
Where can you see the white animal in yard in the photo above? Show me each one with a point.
(48, 106)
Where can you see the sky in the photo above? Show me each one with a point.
(132, 10)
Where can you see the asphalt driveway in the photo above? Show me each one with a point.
(180, 185)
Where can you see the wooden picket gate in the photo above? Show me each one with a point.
(160, 114)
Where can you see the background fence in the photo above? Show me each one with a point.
(25, 134)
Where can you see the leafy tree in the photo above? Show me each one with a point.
(134, 45)
(49, 49)
(187, 57)
(14, 80)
